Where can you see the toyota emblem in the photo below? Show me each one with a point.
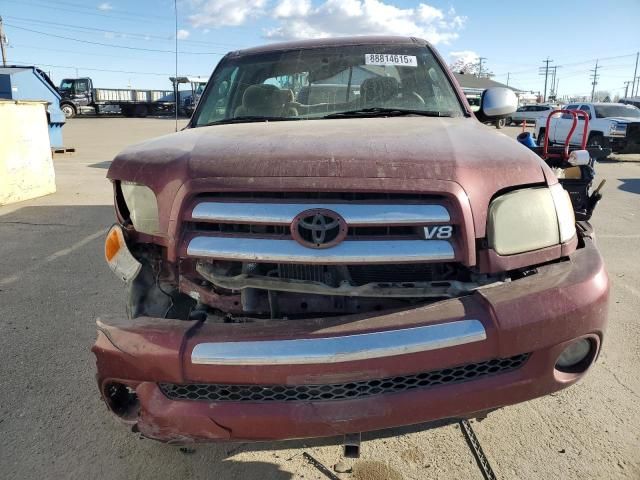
(319, 228)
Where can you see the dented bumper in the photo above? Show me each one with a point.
(188, 380)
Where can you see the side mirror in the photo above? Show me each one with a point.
(496, 103)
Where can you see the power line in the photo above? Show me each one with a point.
(584, 62)
(110, 44)
(75, 52)
(115, 15)
(117, 32)
(117, 11)
(84, 29)
(167, 74)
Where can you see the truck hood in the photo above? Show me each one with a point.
(461, 150)
(453, 149)
(624, 119)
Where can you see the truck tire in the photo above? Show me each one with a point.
(500, 123)
(597, 140)
(68, 109)
(126, 110)
(141, 111)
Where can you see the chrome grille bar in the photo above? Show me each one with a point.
(290, 251)
(354, 214)
(340, 349)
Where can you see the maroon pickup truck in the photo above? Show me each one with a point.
(335, 244)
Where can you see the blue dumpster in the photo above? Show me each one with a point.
(31, 83)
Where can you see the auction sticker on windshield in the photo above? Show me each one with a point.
(385, 59)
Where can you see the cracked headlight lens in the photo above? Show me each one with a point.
(143, 207)
(530, 219)
(564, 210)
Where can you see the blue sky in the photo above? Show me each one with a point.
(514, 36)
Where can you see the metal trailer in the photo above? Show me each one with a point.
(79, 95)
(30, 83)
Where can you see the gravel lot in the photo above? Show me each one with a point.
(54, 283)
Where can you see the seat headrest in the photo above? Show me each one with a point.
(262, 99)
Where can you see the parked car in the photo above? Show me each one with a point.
(301, 270)
(530, 114)
(635, 101)
(611, 125)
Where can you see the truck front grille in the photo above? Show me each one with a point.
(341, 391)
(377, 230)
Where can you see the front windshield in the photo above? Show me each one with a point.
(66, 85)
(613, 110)
(316, 83)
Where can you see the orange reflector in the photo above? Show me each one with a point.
(112, 244)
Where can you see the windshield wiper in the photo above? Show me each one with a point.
(250, 119)
(387, 112)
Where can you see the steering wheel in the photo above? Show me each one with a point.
(417, 97)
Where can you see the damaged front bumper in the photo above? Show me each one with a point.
(183, 381)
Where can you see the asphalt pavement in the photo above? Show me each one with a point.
(54, 283)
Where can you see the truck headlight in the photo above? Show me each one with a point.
(617, 129)
(530, 219)
(143, 207)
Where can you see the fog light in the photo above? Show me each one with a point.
(574, 354)
(122, 399)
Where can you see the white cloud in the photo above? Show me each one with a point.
(223, 13)
(464, 56)
(427, 13)
(183, 34)
(363, 17)
(292, 8)
(105, 6)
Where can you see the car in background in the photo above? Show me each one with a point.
(529, 113)
(611, 125)
(635, 101)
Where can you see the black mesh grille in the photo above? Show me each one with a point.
(418, 272)
(341, 391)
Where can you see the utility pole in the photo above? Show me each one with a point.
(594, 78)
(3, 41)
(508, 76)
(554, 85)
(545, 71)
(626, 88)
(480, 59)
(635, 73)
